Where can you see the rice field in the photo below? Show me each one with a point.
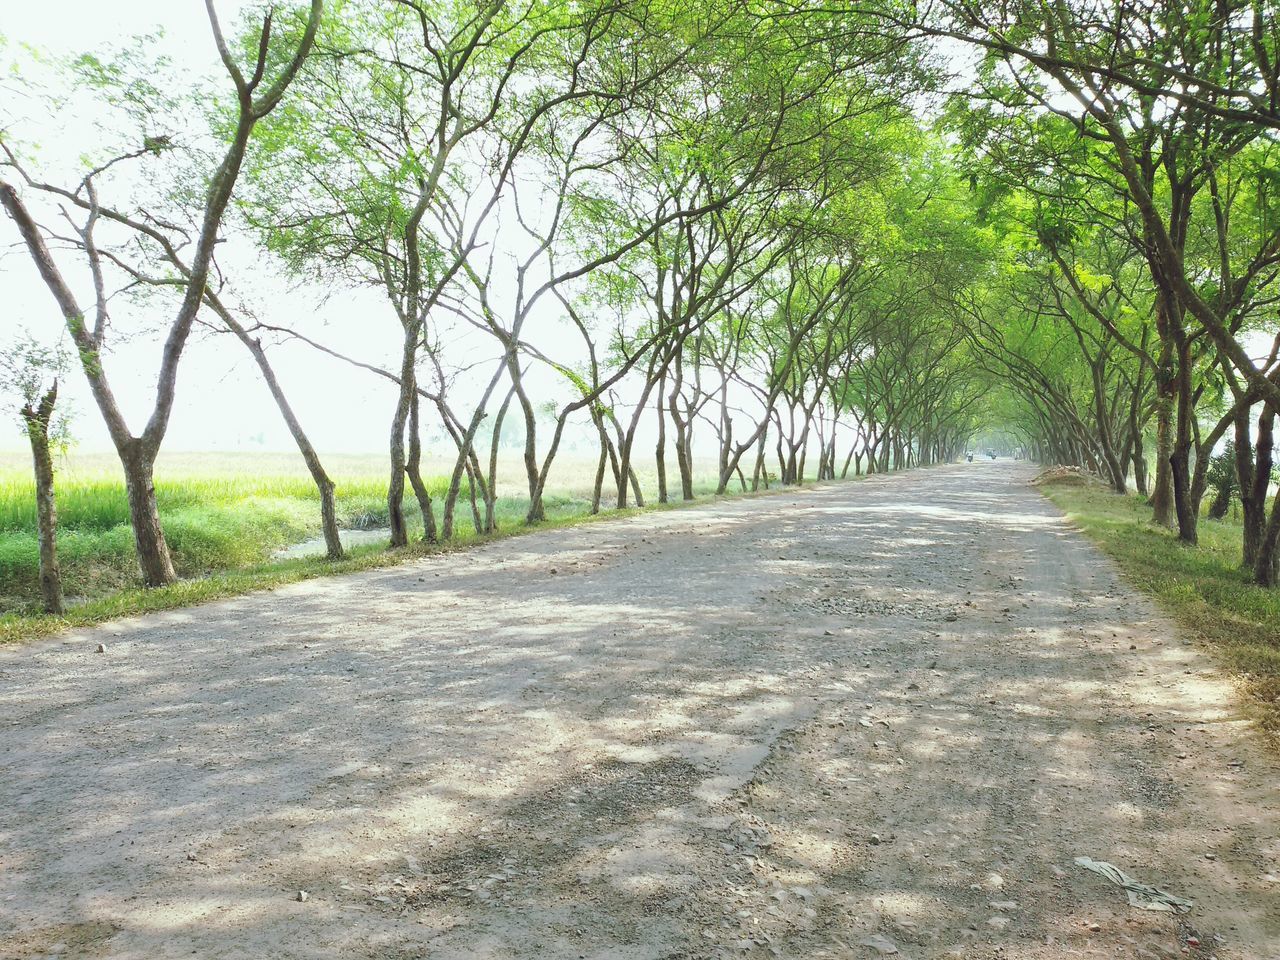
(220, 512)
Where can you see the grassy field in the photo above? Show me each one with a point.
(1202, 587)
(226, 517)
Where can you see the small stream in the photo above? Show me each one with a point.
(315, 547)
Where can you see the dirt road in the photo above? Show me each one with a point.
(875, 716)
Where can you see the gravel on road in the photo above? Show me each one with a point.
(864, 719)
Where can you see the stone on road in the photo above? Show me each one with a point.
(833, 722)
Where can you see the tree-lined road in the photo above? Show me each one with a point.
(830, 722)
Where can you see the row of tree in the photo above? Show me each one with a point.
(796, 231)
(700, 207)
(1130, 150)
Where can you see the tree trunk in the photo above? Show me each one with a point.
(684, 441)
(467, 462)
(148, 536)
(1162, 495)
(491, 493)
(1266, 570)
(412, 469)
(1115, 465)
(38, 420)
(760, 475)
(1139, 459)
(325, 487)
(598, 489)
(661, 453)
(1180, 460)
(1253, 471)
(399, 422)
(844, 473)
(625, 472)
(473, 483)
(537, 512)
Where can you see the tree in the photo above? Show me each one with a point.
(29, 374)
(419, 115)
(1157, 130)
(273, 63)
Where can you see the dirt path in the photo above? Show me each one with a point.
(829, 723)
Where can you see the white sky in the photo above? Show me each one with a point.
(222, 404)
(221, 401)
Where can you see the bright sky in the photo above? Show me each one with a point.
(222, 403)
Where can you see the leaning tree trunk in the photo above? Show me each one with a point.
(413, 470)
(466, 463)
(626, 473)
(759, 473)
(38, 419)
(615, 465)
(325, 487)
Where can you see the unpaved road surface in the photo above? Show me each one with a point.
(830, 723)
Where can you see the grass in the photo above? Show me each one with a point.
(212, 524)
(1201, 587)
(136, 600)
(225, 517)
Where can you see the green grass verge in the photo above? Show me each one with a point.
(1201, 587)
(265, 576)
(214, 525)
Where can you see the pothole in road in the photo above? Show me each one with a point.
(845, 603)
(528, 843)
(615, 790)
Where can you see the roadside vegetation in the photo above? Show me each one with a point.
(212, 523)
(1205, 588)
(229, 531)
